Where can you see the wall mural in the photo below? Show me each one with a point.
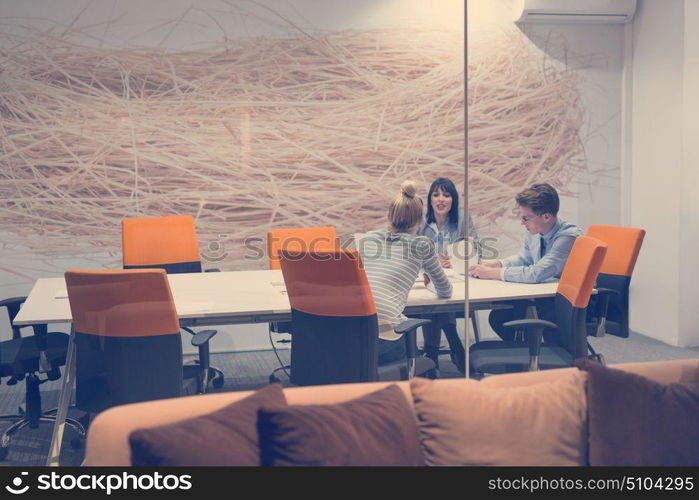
(318, 128)
(525, 114)
(313, 127)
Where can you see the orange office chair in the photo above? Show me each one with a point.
(127, 337)
(334, 322)
(610, 310)
(297, 239)
(300, 239)
(170, 243)
(571, 301)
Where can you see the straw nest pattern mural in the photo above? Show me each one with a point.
(524, 119)
(316, 128)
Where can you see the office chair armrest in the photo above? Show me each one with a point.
(409, 329)
(603, 296)
(13, 305)
(203, 337)
(535, 330)
(12, 301)
(410, 324)
(212, 270)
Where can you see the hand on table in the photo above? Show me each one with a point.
(444, 260)
(426, 279)
(484, 272)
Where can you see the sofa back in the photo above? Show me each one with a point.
(107, 441)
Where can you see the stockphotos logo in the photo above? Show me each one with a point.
(108, 483)
(16, 488)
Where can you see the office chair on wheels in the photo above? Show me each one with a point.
(571, 301)
(298, 239)
(127, 338)
(170, 243)
(35, 359)
(334, 322)
(609, 312)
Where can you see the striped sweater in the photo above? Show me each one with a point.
(392, 262)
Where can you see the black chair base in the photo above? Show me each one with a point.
(20, 421)
(213, 376)
(498, 356)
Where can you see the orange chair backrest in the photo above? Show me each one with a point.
(581, 270)
(329, 283)
(131, 303)
(150, 241)
(623, 246)
(300, 239)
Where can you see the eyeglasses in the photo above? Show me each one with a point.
(527, 218)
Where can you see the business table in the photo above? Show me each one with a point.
(245, 297)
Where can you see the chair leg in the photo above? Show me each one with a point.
(474, 321)
(216, 377)
(596, 356)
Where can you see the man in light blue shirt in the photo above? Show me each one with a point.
(547, 244)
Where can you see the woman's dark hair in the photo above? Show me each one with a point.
(447, 186)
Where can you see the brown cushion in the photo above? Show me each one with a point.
(225, 437)
(638, 421)
(465, 422)
(376, 429)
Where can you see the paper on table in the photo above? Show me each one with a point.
(61, 293)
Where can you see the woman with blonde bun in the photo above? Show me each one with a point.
(392, 260)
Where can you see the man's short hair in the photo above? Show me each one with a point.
(540, 199)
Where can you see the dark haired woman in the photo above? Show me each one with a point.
(444, 226)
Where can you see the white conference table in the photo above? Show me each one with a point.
(245, 297)
(260, 297)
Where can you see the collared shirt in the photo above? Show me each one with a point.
(450, 233)
(392, 262)
(529, 266)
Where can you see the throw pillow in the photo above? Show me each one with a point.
(465, 422)
(225, 437)
(376, 429)
(636, 421)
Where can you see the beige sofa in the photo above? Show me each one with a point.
(107, 442)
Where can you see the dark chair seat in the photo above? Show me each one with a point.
(496, 356)
(18, 356)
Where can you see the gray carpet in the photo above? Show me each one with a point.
(250, 370)
(639, 348)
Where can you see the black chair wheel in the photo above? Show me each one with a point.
(3, 453)
(217, 383)
(273, 379)
(77, 442)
